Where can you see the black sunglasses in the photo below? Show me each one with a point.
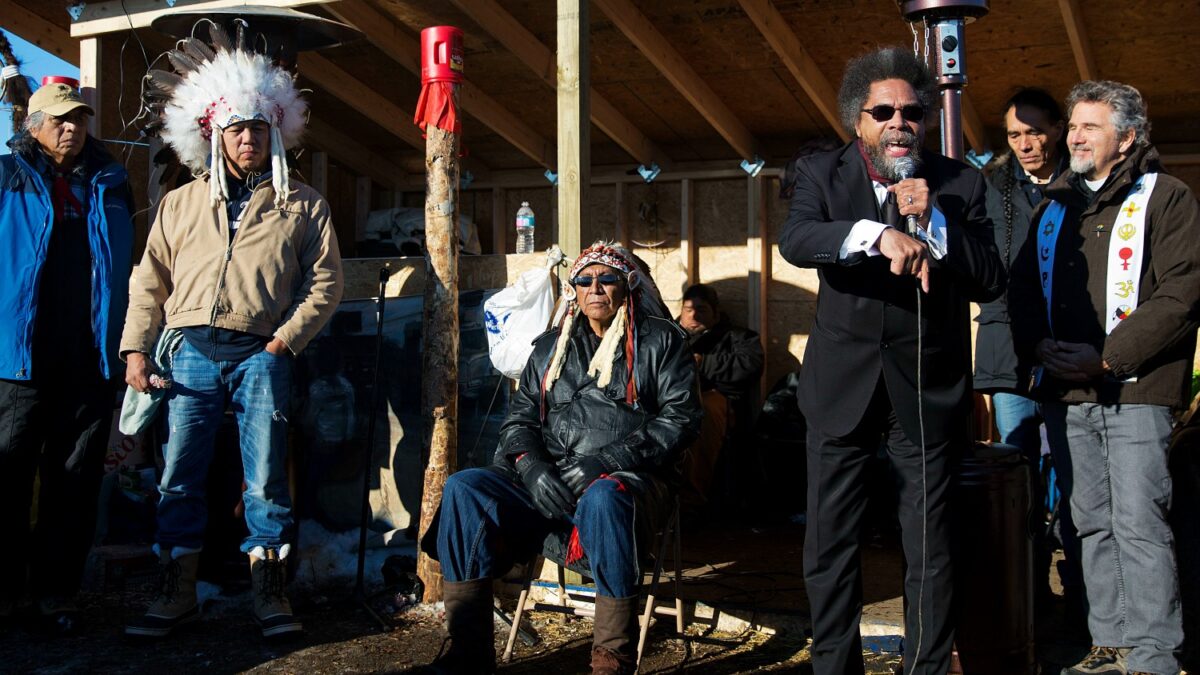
(884, 112)
(606, 279)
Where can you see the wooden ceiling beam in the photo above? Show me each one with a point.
(802, 66)
(1077, 34)
(354, 155)
(119, 15)
(404, 49)
(363, 98)
(540, 59)
(972, 126)
(637, 27)
(41, 32)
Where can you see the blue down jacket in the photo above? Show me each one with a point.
(26, 221)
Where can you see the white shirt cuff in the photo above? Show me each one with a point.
(863, 238)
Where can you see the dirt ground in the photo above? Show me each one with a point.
(340, 637)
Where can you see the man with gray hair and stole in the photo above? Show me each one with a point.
(1104, 298)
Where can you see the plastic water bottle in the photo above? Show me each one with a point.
(525, 229)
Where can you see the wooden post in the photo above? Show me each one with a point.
(574, 127)
(688, 250)
(622, 224)
(439, 334)
(90, 81)
(758, 264)
(362, 206)
(500, 222)
(320, 173)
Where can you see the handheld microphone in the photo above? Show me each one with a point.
(906, 167)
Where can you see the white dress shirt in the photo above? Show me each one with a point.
(864, 236)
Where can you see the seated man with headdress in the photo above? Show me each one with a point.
(591, 447)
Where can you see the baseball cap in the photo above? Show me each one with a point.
(57, 99)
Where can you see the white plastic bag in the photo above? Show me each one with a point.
(515, 316)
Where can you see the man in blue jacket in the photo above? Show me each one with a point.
(65, 246)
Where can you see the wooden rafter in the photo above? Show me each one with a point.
(118, 15)
(404, 49)
(352, 154)
(802, 66)
(637, 27)
(1077, 34)
(972, 126)
(358, 95)
(540, 59)
(45, 34)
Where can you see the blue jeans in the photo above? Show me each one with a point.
(488, 522)
(1120, 494)
(258, 390)
(1018, 419)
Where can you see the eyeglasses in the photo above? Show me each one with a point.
(884, 112)
(606, 279)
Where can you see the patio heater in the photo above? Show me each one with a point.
(945, 53)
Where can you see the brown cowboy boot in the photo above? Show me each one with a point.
(175, 604)
(615, 636)
(472, 631)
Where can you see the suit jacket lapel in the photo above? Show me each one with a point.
(857, 200)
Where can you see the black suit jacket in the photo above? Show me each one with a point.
(866, 318)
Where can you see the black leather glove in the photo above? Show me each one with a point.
(551, 496)
(580, 473)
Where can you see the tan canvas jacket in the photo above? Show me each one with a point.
(280, 275)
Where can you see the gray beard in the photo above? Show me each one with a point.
(1083, 167)
(884, 164)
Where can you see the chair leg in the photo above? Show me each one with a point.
(516, 622)
(652, 595)
(676, 570)
(562, 585)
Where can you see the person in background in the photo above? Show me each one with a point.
(729, 361)
(67, 235)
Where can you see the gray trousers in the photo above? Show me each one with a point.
(1120, 493)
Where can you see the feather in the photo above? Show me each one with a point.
(163, 81)
(196, 49)
(183, 63)
(241, 33)
(219, 38)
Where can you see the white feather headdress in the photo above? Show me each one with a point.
(221, 87)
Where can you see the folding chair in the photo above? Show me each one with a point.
(668, 535)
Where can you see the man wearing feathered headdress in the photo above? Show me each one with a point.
(590, 450)
(244, 262)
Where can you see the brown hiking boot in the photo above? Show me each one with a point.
(615, 636)
(472, 629)
(175, 604)
(268, 579)
(1100, 661)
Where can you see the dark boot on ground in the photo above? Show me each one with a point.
(615, 636)
(1100, 661)
(175, 603)
(268, 579)
(472, 629)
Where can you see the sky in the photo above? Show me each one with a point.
(35, 63)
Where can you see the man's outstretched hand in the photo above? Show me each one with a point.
(909, 256)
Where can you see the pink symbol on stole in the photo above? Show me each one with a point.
(1125, 254)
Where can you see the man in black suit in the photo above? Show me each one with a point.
(859, 384)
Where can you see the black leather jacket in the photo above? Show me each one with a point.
(644, 441)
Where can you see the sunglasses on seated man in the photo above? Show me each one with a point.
(884, 112)
(606, 279)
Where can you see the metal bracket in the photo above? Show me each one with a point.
(170, 3)
(75, 9)
(551, 176)
(649, 174)
(752, 168)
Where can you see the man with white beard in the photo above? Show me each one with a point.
(1104, 297)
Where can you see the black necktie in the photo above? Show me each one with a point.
(891, 212)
